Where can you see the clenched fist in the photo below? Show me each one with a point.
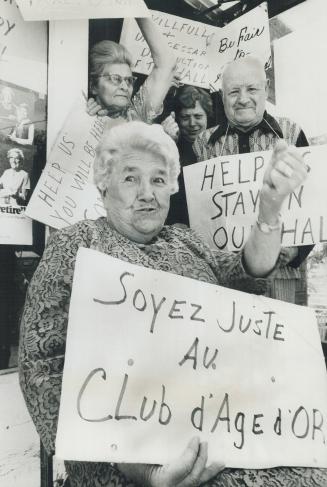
(285, 172)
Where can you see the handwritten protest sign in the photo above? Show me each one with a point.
(249, 34)
(153, 359)
(65, 193)
(23, 49)
(223, 199)
(81, 9)
(187, 38)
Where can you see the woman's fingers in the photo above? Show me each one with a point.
(102, 112)
(193, 477)
(170, 126)
(211, 471)
(93, 108)
(180, 469)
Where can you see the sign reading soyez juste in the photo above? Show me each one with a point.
(223, 199)
(153, 359)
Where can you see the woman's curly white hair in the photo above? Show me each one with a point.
(128, 137)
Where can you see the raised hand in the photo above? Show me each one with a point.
(285, 172)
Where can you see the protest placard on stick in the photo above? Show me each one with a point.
(187, 39)
(223, 199)
(81, 9)
(153, 359)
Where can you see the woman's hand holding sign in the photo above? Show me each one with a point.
(94, 108)
(189, 470)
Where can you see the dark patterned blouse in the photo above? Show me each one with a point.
(44, 326)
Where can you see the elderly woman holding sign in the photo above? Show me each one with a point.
(111, 79)
(136, 171)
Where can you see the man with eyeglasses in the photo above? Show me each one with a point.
(248, 127)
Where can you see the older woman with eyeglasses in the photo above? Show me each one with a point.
(136, 172)
(111, 79)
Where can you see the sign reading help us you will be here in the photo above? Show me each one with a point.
(65, 193)
(153, 359)
(223, 199)
(81, 9)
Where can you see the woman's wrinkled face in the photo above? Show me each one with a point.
(113, 94)
(137, 195)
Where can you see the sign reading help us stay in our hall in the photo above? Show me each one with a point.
(223, 196)
(153, 359)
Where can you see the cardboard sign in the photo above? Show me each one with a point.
(23, 49)
(249, 34)
(187, 39)
(223, 199)
(65, 193)
(310, 113)
(81, 9)
(153, 359)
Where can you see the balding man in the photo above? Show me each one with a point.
(249, 128)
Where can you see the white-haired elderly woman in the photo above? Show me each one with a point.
(111, 79)
(14, 182)
(136, 172)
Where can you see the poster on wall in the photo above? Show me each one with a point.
(22, 127)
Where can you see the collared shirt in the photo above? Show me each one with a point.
(225, 139)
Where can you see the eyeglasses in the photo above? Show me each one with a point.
(117, 80)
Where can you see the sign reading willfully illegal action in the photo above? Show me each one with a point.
(187, 40)
(153, 359)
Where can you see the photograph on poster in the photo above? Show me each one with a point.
(192, 326)
(22, 127)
